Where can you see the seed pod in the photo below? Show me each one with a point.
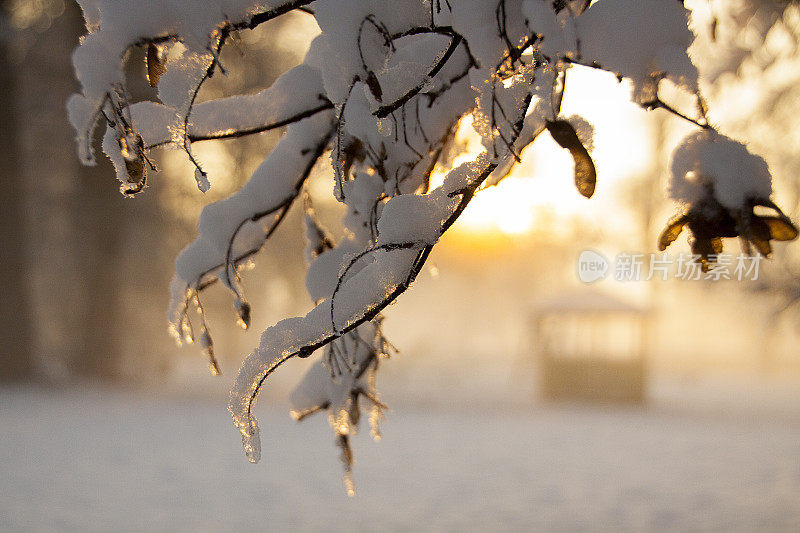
(374, 86)
(131, 146)
(759, 235)
(709, 222)
(579, 6)
(780, 229)
(155, 65)
(318, 240)
(585, 174)
(671, 231)
(136, 170)
(707, 249)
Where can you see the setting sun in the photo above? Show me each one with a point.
(539, 195)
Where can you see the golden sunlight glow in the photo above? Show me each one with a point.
(539, 195)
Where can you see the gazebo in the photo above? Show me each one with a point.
(590, 346)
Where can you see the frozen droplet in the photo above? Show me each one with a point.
(431, 84)
(349, 485)
(186, 330)
(251, 442)
(375, 416)
(385, 127)
(243, 311)
(213, 365)
(202, 180)
(205, 340)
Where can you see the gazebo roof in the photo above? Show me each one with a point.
(586, 301)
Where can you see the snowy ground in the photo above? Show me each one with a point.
(101, 461)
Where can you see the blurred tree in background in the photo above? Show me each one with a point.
(15, 315)
(76, 252)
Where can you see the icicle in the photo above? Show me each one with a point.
(186, 329)
(207, 345)
(243, 312)
(375, 416)
(251, 441)
(205, 341)
(343, 441)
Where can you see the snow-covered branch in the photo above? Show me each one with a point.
(236, 228)
(382, 89)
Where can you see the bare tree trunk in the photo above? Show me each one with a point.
(74, 211)
(16, 348)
